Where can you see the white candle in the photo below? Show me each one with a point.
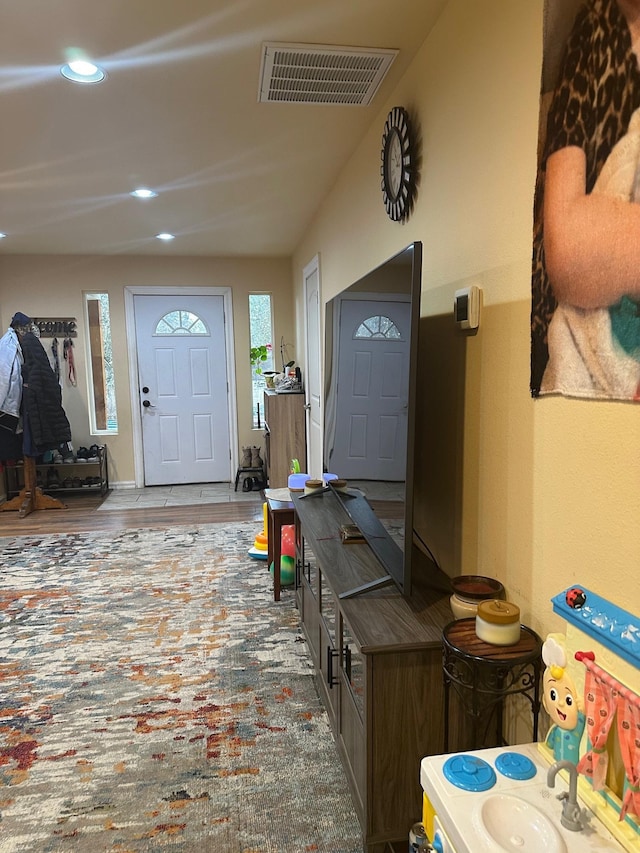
(498, 622)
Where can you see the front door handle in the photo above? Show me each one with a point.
(147, 404)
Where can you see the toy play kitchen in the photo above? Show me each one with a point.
(579, 790)
(500, 799)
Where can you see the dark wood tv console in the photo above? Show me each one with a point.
(378, 660)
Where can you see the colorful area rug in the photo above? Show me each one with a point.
(154, 697)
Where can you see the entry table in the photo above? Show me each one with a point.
(279, 513)
(482, 674)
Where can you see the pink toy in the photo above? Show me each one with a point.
(288, 547)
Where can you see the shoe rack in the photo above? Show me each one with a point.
(62, 478)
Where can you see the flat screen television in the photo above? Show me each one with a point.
(371, 353)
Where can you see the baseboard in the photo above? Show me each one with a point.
(122, 484)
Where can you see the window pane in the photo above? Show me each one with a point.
(102, 389)
(378, 327)
(260, 336)
(181, 323)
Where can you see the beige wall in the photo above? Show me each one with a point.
(550, 488)
(52, 286)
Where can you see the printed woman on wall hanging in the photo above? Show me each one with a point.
(585, 318)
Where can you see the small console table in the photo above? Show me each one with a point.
(483, 675)
(279, 513)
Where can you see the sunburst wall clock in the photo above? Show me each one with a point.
(398, 165)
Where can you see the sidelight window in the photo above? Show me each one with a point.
(101, 378)
(261, 337)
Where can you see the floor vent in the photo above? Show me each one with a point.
(321, 74)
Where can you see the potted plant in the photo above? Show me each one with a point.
(257, 355)
(270, 378)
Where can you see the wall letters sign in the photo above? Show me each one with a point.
(56, 327)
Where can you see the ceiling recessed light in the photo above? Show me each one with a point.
(2, 235)
(165, 236)
(82, 71)
(143, 192)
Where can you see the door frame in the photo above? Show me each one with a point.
(313, 267)
(132, 350)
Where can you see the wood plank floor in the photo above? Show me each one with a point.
(81, 514)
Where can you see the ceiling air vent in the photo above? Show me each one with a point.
(321, 74)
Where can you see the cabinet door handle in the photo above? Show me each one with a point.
(331, 679)
(347, 661)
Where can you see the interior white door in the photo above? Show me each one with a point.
(182, 371)
(313, 379)
(370, 440)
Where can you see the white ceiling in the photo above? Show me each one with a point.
(179, 113)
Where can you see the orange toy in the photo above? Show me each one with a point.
(261, 542)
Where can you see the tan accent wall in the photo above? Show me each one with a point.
(539, 493)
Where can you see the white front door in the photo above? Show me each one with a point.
(183, 389)
(313, 380)
(373, 342)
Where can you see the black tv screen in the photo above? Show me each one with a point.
(371, 347)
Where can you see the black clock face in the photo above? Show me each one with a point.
(397, 168)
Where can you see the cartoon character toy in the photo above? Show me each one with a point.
(560, 700)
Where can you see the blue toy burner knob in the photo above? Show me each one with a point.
(575, 597)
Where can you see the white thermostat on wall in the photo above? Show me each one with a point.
(466, 307)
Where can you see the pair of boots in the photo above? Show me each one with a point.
(251, 458)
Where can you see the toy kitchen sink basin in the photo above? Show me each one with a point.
(496, 800)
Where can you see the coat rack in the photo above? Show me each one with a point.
(31, 496)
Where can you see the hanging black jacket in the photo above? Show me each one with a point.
(42, 397)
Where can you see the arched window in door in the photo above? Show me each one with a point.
(378, 327)
(180, 322)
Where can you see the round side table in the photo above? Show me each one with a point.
(483, 675)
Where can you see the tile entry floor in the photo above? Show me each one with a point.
(214, 493)
(159, 496)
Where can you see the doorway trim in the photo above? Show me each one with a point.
(314, 454)
(132, 351)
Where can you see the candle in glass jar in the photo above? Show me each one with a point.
(498, 622)
(312, 486)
